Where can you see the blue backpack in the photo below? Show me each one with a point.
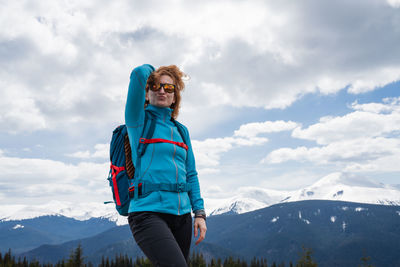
(122, 170)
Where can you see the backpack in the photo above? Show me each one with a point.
(122, 170)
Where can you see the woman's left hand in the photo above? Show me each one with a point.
(200, 224)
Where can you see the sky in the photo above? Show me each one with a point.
(281, 93)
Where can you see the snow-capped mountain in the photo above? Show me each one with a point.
(246, 199)
(238, 205)
(82, 211)
(338, 232)
(335, 186)
(339, 186)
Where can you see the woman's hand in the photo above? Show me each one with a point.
(200, 224)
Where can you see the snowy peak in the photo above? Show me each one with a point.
(335, 186)
(246, 199)
(329, 180)
(238, 206)
(339, 186)
(82, 211)
(340, 178)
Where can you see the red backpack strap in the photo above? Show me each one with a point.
(160, 140)
(114, 172)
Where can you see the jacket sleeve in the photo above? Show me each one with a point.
(134, 108)
(191, 177)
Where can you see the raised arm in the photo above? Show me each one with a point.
(134, 113)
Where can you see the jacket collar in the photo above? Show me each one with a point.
(161, 113)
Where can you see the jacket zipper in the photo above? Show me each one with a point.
(176, 169)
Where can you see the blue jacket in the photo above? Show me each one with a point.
(162, 162)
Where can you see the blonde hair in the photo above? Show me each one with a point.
(176, 75)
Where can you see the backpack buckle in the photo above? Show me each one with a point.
(132, 190)
(180, 187)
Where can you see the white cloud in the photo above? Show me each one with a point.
(380, 78)
(368, 120)
(390, 104)
(294, 178)
(18, 110)
(212, 191)
(65, 65)
(35, 170)
(53, 189)
(215, 94)
(362, 141)
(75, 57)
(394, 3)
(207, 171)
(49, 179)
(208, 152)
(322, 53)
(344, 152)
(101, 151)
(80, 154)
(255, 128)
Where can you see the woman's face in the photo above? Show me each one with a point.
(160, 98)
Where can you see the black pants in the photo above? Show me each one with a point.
(164, 238)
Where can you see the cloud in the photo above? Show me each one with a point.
(310, 50)
(42, 179)
(382, 77)
(65, 65)
(19, 111)
(368, 120)
(69, 62)
(53, 189)
(390, 104)
(101, 151)
(344, 152)
(209, 151)
(255, 128)
(394, 3)
(35, 170)
(363, 140)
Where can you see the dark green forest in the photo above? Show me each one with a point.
(76, 259)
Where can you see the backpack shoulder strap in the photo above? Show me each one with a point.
(148, 131)
(181, 129)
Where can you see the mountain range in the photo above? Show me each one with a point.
(24, 235)
(335, 186)
(339, 234)
(341, 217)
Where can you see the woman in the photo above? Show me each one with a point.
(160, 217)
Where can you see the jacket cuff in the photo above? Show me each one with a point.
(200, 214)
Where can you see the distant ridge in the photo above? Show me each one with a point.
(338, 232)
(23, 235)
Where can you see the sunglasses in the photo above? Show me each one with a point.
(169, 88)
